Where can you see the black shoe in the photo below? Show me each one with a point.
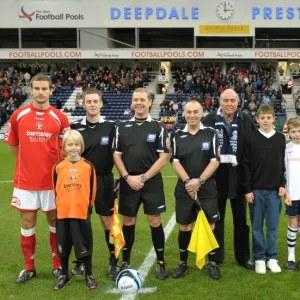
(113, 268)
(213, 270)
(290, 265)
(25, 275)
(181, 271)
(56, 272)
(161, 272)
(61, 282)
(91, 282)
(248, 264)
(78, 269)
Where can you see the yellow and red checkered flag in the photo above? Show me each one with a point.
(116, 236)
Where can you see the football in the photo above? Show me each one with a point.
(129, 281)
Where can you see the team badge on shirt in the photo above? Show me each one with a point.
(73, 174)
(104, 140)
(151, 137)
(205, 146)
(39, 125)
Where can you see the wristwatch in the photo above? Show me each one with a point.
(144, 178)
(186, 180)
(202, 181)
(125, 177)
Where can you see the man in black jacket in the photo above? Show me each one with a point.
(232, 126)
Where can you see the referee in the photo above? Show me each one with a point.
(195, 160)
(141, 151)
(99, 136)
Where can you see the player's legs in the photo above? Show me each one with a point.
(129, 204)
(185, 216)
(104, 205)
(153, 199)
(293, 227)
(47, 200)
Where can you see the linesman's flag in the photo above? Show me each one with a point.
(203, 240)
(116, 236)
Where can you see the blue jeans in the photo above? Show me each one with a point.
(266, 205)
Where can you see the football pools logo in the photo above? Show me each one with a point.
(24, 15)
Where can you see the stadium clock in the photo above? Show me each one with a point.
(225, 10)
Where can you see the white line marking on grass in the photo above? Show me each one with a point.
(10, 181)
(148, 262)
(141, 291)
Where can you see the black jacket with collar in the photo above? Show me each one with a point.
(228, 177)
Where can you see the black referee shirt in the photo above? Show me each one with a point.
(140, 144)
(98, 140)
(194, 152)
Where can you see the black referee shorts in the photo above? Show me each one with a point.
(151, 195)
(104, 203)
(74, 232)
(185, 208)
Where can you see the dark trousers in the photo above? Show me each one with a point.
(241, 230)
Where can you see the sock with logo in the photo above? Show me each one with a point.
(52, 238)
(28, 242)
(184, 238)
(158, 239)
(129, 234)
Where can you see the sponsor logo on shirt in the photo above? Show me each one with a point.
(81, 129)
(38, 136)
(183, 136)
(151, 137)
(128, 125)
(205, 146)
(104, 140)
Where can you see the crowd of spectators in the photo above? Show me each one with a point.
(12, 90)
(121, 80)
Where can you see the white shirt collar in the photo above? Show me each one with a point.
(269, 134)
(186, 127)
(149, 119)
(83, 122)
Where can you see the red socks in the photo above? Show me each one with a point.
(28, 242)
(56, 260)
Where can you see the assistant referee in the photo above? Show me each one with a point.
(195, 160)
(141, 151)
(99, 136)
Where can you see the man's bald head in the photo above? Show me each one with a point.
(229, 101)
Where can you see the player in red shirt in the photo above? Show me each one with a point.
(34, 135)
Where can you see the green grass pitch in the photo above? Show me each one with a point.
(236, 282)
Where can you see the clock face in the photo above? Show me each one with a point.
(225, 10)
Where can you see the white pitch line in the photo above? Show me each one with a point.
(151, 257)
(10, 181)
(141, 291)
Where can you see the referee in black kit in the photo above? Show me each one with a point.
(99, 136)
(141, 151)
(195, 159)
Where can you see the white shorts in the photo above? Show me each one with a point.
(33, 200)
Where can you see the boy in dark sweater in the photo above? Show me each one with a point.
(264, 182)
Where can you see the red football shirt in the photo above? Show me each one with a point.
(38, 133)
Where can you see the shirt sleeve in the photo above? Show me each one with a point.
(113, 137)
(93, 185)
(282, 173)
(65, 126)
(12, 135)
(246, 167)
(54, 179)
(174, 156)
(215, 148)
(117, 145)
(163, 141)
